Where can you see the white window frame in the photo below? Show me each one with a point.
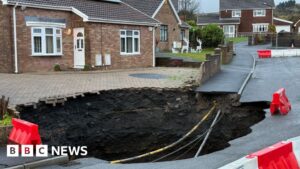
(259, 26)
(236, 13)
(133, 42)
(259, 13)
(43, 39)
(228, 34)
(164, 33)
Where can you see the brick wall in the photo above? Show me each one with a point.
(6, 55)
(248, 19)
(211, 66)
(99, 37)
(105, 37)
(29, 63)
(167, 17)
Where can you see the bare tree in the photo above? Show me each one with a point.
(188, 9)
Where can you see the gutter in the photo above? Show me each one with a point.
(15, 38)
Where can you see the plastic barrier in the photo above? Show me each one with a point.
(278, 156)
(296, 147)
(280, 103)
(277, 53)
(264, 53)
(24, 133)
(290, 53)
(243, 163)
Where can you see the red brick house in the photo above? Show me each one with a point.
(36, 35)
(243, 17)
(165, 11)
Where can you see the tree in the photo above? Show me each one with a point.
(188, 9)
(195, 33)
(287, 4)
(212, 35)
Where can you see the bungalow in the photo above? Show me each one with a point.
(172, 29)
(38, 34)
(244, 17)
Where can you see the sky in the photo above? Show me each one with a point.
(213, 5)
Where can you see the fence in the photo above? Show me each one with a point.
(287, 40)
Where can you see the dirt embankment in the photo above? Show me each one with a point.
(123, 123)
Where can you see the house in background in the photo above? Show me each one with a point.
(171, 28)
(244, 17)
(73, 34)
(283, 25)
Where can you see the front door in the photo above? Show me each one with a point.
(229, 31)
(79, 48)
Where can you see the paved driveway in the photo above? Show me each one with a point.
(26, 88)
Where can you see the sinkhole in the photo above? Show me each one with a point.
(117, 124)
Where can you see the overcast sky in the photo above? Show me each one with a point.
(213, 5)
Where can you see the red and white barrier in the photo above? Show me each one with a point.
(280, 103)
(283, 155)
(278, 53)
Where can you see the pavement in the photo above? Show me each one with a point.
(30, 87)
(271, 75)
(7, 162)
(232, 76)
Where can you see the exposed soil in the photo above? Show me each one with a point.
(123, 123)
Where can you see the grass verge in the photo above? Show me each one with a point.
(237, 39)
(196, 56)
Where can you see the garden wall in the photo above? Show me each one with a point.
(211, 66)
(227, 52)
(259, 39)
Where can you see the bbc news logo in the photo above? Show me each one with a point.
(45, 150)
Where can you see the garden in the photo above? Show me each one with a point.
(204, 39)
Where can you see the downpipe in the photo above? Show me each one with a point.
(15, 38)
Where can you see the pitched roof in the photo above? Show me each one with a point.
(185, 25)
(246, 4)
(176, 3)
(147, 6)
(214, 18)
(95, 11)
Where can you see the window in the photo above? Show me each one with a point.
(236, 13)
(259, 13)
(260, 27)
(46, 41)
(130, 41)
(164, 33)
(229, 31)
(182, 34)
